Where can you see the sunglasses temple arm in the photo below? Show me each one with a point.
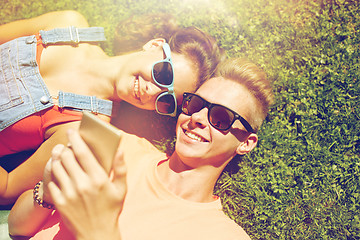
(246, 125)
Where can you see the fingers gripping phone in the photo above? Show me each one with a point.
(101, 137)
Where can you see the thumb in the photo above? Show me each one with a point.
(119, 171)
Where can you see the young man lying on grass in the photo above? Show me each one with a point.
(168, 197)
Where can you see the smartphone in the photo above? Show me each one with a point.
(101, 137)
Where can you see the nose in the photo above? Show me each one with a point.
(199, 119)
(150, 91)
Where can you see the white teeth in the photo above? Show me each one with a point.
(194, 136)
(136, 88)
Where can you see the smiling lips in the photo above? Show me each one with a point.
(195, 136)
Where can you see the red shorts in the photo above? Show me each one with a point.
(29, 133)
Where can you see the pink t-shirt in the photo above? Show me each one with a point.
(151, 212)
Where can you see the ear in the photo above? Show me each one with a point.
(157, 42)
(247, 145)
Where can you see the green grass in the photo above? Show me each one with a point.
(302, 181)
(4, 235)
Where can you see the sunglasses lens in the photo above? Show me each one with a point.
(220, 117)
(166, 104)
(163, 73)
(192, 104)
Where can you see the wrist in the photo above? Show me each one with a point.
(38, 196)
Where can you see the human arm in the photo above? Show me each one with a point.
(26, 175)
(26, 216)
(130, 146)
(87, 199)
(46, 21)
(83, 212)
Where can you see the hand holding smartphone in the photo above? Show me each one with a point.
(101, 137)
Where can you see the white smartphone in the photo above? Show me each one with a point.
(101, 137)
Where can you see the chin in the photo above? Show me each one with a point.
(185, 151)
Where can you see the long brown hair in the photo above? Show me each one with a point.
(196, 45)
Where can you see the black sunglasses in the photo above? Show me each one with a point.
(163, 75)
(220, 117)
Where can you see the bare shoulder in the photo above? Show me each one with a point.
(63, 19)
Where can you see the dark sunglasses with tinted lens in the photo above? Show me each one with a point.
(220, 117)
(163, 74)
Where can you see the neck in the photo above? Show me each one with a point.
(193, 184)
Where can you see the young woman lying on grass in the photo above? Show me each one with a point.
(52, 68)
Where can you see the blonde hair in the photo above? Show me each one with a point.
(191, 42)
(254, 79)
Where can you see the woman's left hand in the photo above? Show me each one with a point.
(88, 200)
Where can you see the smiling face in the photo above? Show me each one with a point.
(198, 143)
(137, 86)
